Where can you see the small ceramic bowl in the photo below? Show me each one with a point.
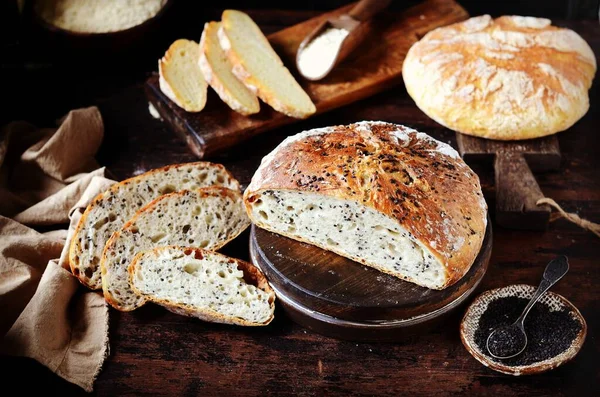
(470, 323)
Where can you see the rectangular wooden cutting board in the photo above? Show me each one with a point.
(374, 67)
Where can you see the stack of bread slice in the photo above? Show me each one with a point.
(218, 72)
(237, 61)
(195, 207)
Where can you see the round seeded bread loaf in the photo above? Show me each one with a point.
(382, 194)
(507, 78)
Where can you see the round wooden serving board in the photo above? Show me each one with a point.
(338, 297)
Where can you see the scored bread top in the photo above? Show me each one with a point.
(406, 175)
(507, 78)
(259, 67)
(216, 68)
(180, 77)
(111, 209)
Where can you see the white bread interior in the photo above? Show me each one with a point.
(203, 284)
(260, 68)
(217, 70)
(369, 237)
(110, 210)
(180, 77)
(204, 218)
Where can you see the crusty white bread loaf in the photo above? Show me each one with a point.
(216, 68)
(203, 284)
(382, 194)
(259, 67)
(507, 78)
(204, 218)
(109, 211)
(180, 77)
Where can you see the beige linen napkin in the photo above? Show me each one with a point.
(47, 178)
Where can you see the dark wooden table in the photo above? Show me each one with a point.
(156, 352)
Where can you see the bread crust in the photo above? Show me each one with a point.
(167, 88)
(75, 245)
(250, 271)
(253, 84)
(212, 78)
(508, 78)
(151, 206)
(408, 176)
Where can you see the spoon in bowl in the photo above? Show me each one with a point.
(510, 340)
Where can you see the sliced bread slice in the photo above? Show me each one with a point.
(109, 211)
(180, 77)
(259, 67)
(217, 72)
(203, 284)
(204, 218)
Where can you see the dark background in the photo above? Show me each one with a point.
(42, 78)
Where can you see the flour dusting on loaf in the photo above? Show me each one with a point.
(384, 195)
(507, 78)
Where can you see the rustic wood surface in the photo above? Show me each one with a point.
(374, 66)
(155, 352)
(517, 191)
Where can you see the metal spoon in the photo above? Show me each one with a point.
(510, 341)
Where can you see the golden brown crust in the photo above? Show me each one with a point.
(403, 174)
(75, 245)
(507, 78)
(252, 275)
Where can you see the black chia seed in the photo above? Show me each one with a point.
(549, 333)
(507, 342)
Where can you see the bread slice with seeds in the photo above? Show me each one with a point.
(217, 71)
(204, 218)
(203, 284)
(259, 67)
(180, 77)
(109, 211)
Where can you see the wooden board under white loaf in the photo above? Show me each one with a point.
(517, 191)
